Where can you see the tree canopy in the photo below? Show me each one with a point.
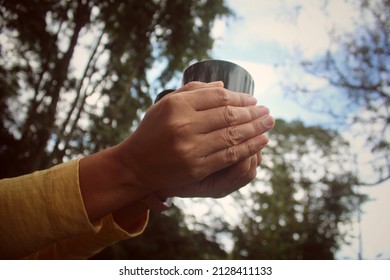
(355, 67)
(305, 190)
(75, 75)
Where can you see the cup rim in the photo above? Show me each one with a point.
(219, 61)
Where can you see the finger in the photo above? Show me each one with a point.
(252, 172)
(218, 184)
(188, 87)
(208, 98)
(228, 116)
(232, 136)
(198, 85)
(259, 157)
(234, 177)
(233, 154)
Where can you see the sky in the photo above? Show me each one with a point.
(263, 36)
(263, 39)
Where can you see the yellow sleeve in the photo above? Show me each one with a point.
(45, 210)
(88, 245)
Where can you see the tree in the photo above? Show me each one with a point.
(305, 191)
(356, 70)
(75, 75)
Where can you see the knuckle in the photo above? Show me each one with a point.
(231, 154)
(223, 96)
(168, 103)
(193, 84)
(231, 115)
(176, 128)
(232, 136)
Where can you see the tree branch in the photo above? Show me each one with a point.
(90, 64)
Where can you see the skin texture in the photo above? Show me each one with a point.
(199, 141)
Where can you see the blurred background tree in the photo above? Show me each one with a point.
(77, 76)
(355, 71)
(305, 191)
(74, 74)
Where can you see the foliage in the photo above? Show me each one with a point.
(74, 80)
(74, 74)
(305, 192)
(356, 68)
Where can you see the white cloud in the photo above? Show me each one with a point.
(218, 29)
(285, 24)
(288, 23)
(264, 75)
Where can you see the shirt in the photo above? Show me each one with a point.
(42, 216)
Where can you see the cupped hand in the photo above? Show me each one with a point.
(219, 184)
(201, 137)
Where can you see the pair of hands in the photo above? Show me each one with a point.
(199, 141)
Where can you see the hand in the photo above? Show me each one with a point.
(193, 133)
(219, 184)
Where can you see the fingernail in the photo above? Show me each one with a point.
(262, 110)
(264, 141)
(268, 122)
(251, 100)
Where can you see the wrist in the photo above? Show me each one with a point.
(106, 184)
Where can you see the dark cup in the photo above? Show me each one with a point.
(234, 77)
